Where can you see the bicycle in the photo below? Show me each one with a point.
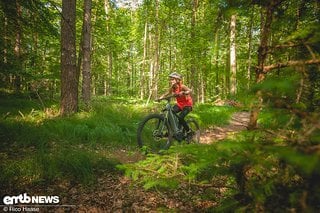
(157, 131)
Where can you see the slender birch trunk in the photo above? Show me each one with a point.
(233, 59)
(108, 83)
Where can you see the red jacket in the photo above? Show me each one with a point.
(182, 100)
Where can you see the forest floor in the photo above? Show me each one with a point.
(239, 122)
(116, 193)
(113, 192)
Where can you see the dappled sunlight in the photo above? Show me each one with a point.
(239, 122)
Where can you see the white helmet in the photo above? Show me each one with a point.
(175, 75)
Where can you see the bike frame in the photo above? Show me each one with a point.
(170, 117)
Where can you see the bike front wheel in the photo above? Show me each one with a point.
(153, 134)
(195, 129)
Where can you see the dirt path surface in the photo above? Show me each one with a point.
(114, 193)
(239, 121)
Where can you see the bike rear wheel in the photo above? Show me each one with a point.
(153, 134)
(195, 128)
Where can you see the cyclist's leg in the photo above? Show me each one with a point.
(185, 111)
(176, 109)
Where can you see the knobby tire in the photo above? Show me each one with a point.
(147, 130)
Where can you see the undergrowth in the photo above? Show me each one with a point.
(39, 146)
(274, 168)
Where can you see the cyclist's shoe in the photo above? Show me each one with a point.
(189, 136)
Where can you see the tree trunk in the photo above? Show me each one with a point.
(4, 77)
(69, 75)
(233, 62)
(5, 40)
(218, 81)
(86, 49)
(143, 68)
(154, 65)
(107, 9)
(216, 64)
(193, 71)
(249, 49)
(156, 51)
(226, 79)
(17, 48)
(202, 87)
(262, 56)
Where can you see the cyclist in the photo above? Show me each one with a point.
(183, 98)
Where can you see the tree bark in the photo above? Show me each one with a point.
(249, 48)
(17, 48)
(144, 68)
(154, 64)
(86, 49)
(193, 71)
(107, 8)
(262, 56)
(217, 87)
(233, 59)
(156, 50)
(69, 75)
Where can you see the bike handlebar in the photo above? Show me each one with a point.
(168, 98)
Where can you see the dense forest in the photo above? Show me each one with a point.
(78, 76)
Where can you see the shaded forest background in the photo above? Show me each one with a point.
(83, 55)
(216, 45)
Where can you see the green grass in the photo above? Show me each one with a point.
(39, 146)
(209, 115)
(46, 167)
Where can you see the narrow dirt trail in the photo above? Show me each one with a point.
(238, 122)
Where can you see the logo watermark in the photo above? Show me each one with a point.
(27, 203)
(26, 199)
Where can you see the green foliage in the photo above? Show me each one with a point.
(54, 147)
(213, 115)
(40, 146)
(46, 167)
(274, 118)
(275, 169)
(38, 25)
(156, 171)
(277, 86)
(309, 32)
(304, 163)
(253, 169)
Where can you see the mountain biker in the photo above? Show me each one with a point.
(183, 98)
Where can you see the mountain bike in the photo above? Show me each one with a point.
(156, 132)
